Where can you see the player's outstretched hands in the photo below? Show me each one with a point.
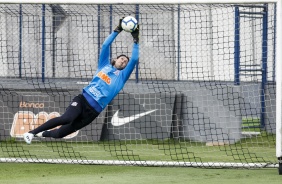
(135, 34)
(119, 28)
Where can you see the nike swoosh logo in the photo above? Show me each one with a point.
(116, 121)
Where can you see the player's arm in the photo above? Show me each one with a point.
(105, 50)
(134, 55)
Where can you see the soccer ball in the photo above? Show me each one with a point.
(129, 24)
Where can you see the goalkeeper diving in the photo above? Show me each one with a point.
(108, 80)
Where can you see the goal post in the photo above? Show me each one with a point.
(279, 89)
(206, 91)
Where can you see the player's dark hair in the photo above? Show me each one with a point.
(114, 61)
(124, 56)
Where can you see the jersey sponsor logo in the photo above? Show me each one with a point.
(95, 92)
(25, 121)
(104, 77)
(116, 72)
(74, 104)
(116, 121)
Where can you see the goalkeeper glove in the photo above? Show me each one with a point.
(119, 28)
(135, 34)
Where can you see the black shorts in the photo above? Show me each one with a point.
(87, 115)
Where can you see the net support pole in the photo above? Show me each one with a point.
(237, 47)
(20, 40)
(137, 64)
(99, 30)
(43, 43)
(111, 27)
(264, 64)
(178, 43)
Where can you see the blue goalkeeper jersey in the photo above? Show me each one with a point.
(108, 81)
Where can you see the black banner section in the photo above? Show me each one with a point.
(139, 116)
(129, 116)
(22, 111)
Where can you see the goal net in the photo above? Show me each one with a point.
(203, 93)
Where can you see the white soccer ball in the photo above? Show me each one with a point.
(129, 24)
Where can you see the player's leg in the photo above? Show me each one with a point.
(72, 112)
(87, 115)
(60, 132)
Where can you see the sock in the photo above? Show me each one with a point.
(40, 134)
